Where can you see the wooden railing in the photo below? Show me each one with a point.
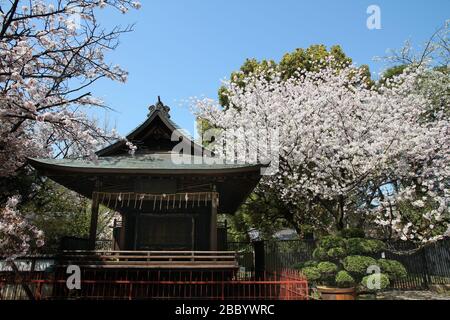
(149, 259)
(146, 284)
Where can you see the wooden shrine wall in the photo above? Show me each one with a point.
(186, 229)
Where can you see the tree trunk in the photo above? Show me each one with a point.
(340, 223)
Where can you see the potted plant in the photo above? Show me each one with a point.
(340, 266)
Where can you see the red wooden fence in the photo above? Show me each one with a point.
(157, 284)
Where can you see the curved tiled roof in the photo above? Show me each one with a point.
(155, 162)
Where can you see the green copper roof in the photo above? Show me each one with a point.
(172, 163)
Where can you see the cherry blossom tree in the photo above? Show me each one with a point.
(16, 231)
(342, 144)
(435, 54)
(50, 53)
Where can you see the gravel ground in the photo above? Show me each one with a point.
(407, 295)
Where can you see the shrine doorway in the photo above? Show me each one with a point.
(165, 232)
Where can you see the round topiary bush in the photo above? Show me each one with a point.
(329, 242)
(375, 281)
(327, 267)
(320, 253)
(358, 264)
(311, 273)
(336, 253)
(344, 262)
(327, 272)
(301, 265)
(360, 246)
(375, 246)
(394, 269)
(355, 246)
(344, 279)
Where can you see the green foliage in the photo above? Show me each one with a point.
(346, 271)
(358, 264)
(326, 267)
(301, 265)
(332, 241)
(249, 67)
(311, 273)
(320, 253)
(392, 268)
(330, 247)
(352, 233)
(336, 253)
(311, 263)
(375, 246)
(309, 59)
(306, 59)
(392, 72)
(327, 272)
(344, 279)
(368, 282)
(356, 246)
(298, 265)
(261, 211)
(24, 183)
(59, 212)
(359, 246)
(202, 127)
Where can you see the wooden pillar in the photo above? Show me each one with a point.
(136, 230)
(259, 258)
(123, 233)
(94, 221)
(213, 224)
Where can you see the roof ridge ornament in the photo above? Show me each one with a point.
(159, 106)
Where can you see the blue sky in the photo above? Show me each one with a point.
(181, 49)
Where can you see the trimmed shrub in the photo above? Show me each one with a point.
(329, 242)
(311, 273)
(310, 263)
(355, 246)
(301, 265)
(327, 272)
(320, 254)
(360, 246)
(358, 264)
(344, 262)
(369, 282)
(352, 233)
(344, 279)
(336, 253)
(375, 246)
(327, 267)
(394, 269)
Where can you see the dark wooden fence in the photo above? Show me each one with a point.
(429, 265)
(426, 266)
